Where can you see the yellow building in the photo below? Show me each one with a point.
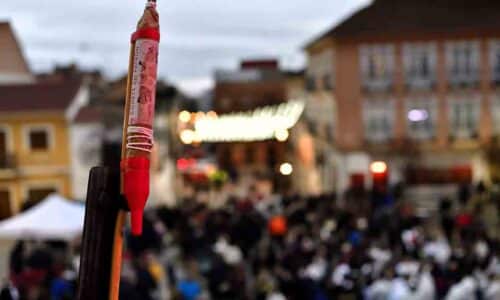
(34, 141)
(34, 129)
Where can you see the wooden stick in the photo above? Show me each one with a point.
(116, 264)
(102, 208)
(141, 85)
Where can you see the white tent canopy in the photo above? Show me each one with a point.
(53, 218)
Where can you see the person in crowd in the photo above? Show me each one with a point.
(9, 292)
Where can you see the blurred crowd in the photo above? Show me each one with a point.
(370, 245)
(41, 270)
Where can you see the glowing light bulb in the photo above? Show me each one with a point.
(187, 136)
(286, 169)
(184, 116)
(212, 114)
(378, 167)
(281, 135)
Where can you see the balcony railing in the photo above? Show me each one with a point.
(461, 79)
(496, 78)
(463, 134)
(420, 83)
(378, 84)
(310, 84)
(377, 138)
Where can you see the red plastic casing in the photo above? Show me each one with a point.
(135, 172)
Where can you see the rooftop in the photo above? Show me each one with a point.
(38, 96)
(392, 16)
(88, 114)
(13, 65)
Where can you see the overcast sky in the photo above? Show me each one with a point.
(198, 36)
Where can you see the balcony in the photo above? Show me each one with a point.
(381, 84)
(310, 84)
(464, 139)
(496, 78)
(463, 134)
(452, 175)
(420, 83)
(377, 139)
(464, 80)
(8, 166)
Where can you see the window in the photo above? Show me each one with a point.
(464, 116)
(419, 64)
(462, 60)
(377, 66)
(38, 194)
(421, 118)
(5, 203)
(310, 83)
(3, 142)
(225, 104)
(39, 138)
(378, 117)
(6, 158)
(495, 61)
(321, 68)
(495, 113)
(320, 112)
(327, 82)
(330, 130)
(247, 103)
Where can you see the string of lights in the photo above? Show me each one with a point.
(270, 122)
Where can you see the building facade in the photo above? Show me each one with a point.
(34, 141)
(306, 146)
(415, 85)
(34, 129)
(86, 132)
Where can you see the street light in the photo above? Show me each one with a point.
(378, 167)
(380, 176)
(286, 169)
(184, 116)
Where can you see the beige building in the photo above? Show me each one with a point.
(413, 84)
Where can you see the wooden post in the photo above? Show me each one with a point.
(104, 202)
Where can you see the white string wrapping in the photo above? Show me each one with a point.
(139, 138)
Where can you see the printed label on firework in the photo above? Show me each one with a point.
(143, 85)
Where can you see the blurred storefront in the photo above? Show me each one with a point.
(266, 125)
(256, 84)
(245, 144)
